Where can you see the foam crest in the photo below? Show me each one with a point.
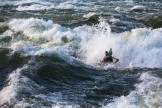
(141, 47)
(96, 42)
(45, 5)
(39, 29)
(31, 27)
(34, 5)
(147, 94)
(23, 47)
(29, 50)
(89, 15)
(26, 1)
(53, 36)
(145, 46)
(66, 5)
(25, 5)
(138, 7)
(56, 100)
(8, 94)
(65, 106)
(72, 4)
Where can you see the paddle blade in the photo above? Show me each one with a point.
(116, 60)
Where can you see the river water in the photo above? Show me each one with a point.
(49, 50)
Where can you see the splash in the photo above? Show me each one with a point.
(141, 47)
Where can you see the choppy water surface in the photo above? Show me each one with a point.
(49, 50)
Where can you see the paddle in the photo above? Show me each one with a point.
(101, 62)
(115, 59)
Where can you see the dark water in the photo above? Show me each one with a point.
(48, 50)
(77, 84)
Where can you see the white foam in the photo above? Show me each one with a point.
(8, 94)
(148, 94)
(65, 106)
(32, 2)
(56, 100)
(17, 82)
(66, 5)
(46, 5)
(34, 7)
(23, 47)
(28, 49)
(138, 7)
(141, 47)
(123, 2)
(114, 20)
(73, 4)
(89, 15)
(31, 27)
(40, 30)
(118, 8)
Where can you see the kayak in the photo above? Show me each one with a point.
(107, 60)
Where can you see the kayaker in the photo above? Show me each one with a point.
(108, 56)
(107, 53)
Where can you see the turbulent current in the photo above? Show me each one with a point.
(49, 50)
